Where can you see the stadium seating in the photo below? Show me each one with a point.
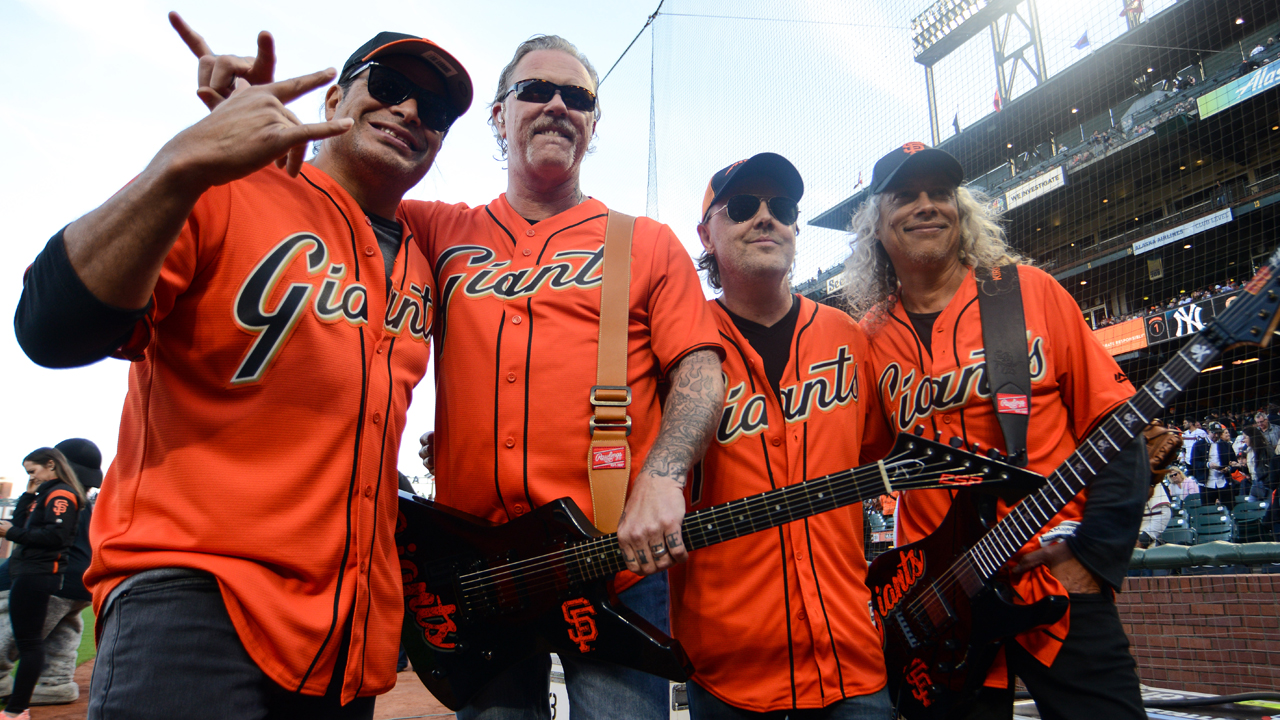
(1248, 517)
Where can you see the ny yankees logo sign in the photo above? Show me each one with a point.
(582, 626)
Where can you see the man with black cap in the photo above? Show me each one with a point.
(278, 320)
(919, 243)
(777, 622)
(63, 622)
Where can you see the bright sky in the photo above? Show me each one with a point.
(95, 89)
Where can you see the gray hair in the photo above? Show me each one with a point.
(870, 280)
(507, 77)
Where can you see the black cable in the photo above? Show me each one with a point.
(647, 23)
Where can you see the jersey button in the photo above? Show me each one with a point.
(946, 419)
(803, 615)
(527, 252)
(368, 250)
(368, 491)
(379, 351)
(516, 319)
(511, 377)
(519, 509)
(776, 442)
(530, 232)
(511, 442)
(377, 418)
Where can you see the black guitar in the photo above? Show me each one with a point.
(480, 597)
(943, 616)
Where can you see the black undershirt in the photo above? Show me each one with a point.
(923, 323)
(390, 235)
(772, 344)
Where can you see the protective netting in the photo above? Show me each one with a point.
(1134, 147)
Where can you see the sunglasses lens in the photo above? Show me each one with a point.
(388, 86)
(742, 208)
(391, 88)
(537, 91)
(784, 210)
(576, 98)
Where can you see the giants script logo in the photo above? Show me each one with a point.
(918, 677)
(912, 148)
(431, 614)
(609, 458)
(910, 568)
(912, 398)
(335, 301)
(745, 415)
(582, 627)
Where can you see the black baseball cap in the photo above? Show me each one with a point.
(455, 76)
(85, 459)
(766, 164)
(913, 157)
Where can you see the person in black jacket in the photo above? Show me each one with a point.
(1211, 462)
(43, 529)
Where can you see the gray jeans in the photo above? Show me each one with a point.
(168, 650)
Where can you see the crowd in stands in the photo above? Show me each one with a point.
(1203, 293)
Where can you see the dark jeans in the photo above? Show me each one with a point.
(168, 650)
(1093, 678)
(876, 706)
(28, 604)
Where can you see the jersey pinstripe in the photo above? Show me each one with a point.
(780, 619)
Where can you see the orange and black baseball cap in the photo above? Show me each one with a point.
(455, 76)
(911, 159)
(766, 164)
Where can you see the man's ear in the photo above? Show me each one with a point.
(332, 97)
(704, 234)
(499, 122)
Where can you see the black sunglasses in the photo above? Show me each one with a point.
(541, 91)
(741, 208)
(389, 87)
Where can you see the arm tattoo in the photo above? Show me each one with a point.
(689, 416)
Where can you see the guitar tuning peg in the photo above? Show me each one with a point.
(993, 453)
(937, 436)
(976, 447)
(919, 431)
(955, 442)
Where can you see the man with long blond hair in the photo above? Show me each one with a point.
(917, 242)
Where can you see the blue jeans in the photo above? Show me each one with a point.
(597, 690)
(168, 650)
(705, 706)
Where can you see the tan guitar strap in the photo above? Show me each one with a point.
(609, 458)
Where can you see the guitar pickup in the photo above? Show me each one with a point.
(905, 627)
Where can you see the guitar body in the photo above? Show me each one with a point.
(460, 632)
(941, 629)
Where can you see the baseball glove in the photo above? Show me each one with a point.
(1163, 444)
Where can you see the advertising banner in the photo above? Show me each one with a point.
(1123, 337)
(1035, 187)
(1237, 91)
(1185, 230)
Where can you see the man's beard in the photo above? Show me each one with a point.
(564, 127)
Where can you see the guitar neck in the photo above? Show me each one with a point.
(603, 556)
(1004, 540)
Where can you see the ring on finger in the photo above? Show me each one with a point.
(658, 550)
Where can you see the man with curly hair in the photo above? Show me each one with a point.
(917, 242)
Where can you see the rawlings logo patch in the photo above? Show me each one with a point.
(1012, 404)
(609, 458)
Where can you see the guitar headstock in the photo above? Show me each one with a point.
(916, 462)
(1251, 317)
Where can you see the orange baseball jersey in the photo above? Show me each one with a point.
(517, 340)
(259, 436)
(781, 619)
(1074, 384)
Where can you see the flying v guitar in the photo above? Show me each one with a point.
(942, 614)
(480, 597)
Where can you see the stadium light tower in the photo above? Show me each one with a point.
(947, 24)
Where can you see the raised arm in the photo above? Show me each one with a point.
(655, 508)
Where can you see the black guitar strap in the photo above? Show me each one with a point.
(1004, 336)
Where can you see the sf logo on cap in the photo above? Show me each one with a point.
(912, 148)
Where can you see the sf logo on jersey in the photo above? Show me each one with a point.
(335, 301)
(913, 396)
(835, 384)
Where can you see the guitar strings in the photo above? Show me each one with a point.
(528, 569)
